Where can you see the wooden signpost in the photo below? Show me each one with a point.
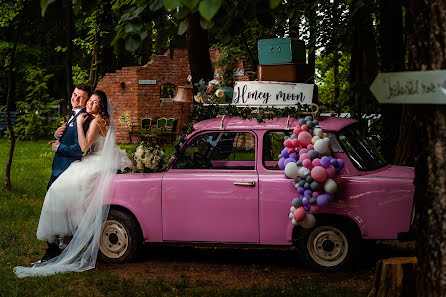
(414, 87)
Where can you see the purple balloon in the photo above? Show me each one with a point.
(308, 193)
(322, 200)
(325, 162)
(305, 201)
(307, 208)
(330, 197)
(333, 162)
(284, 153)
(281, 163)
(288, 160)
(293, 155)
(340, 163)
(300, 190)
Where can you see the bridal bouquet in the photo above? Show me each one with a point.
(148, 157)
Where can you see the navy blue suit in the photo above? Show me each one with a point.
(69, 149)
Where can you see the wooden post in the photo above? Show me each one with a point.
(395, 277)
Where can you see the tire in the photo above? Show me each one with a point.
(331, 245)
(121, 238)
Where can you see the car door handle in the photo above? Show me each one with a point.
(245, 183)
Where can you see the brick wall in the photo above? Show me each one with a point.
(143, 100)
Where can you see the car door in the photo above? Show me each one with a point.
(211, 192)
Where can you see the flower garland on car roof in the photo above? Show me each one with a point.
(201, 112)
(304, 159)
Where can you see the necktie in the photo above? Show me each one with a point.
(72, 113)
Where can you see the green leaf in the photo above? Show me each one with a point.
(171, 4)
(183, 26)
(156, 5)
(144, 34)
(206, 24)
(129, 28)
(131, 44)
(44, 5)
(208, 8)
(274, 3)
(191, 4)
(77, 7)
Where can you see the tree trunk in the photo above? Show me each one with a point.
(337, 91)
(66, 103)
(93, 76)
(392, 59)
(312, 46)
(198, 51)
(395, 277)
(11, 74)
(426, 47)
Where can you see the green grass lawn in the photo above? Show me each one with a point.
(20, 211)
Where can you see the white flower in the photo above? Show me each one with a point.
(139, 152)
(214, 82)
(219, 93)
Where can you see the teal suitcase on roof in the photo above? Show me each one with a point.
(281, 50)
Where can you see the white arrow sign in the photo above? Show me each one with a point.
(415, 87)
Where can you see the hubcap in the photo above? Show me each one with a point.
(114, 239)
(327, 246)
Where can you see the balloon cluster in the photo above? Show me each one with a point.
(313, 174)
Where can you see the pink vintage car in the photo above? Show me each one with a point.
(225, 187)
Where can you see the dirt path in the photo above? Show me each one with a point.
(236, 268)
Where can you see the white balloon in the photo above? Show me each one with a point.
(291, 170)
(292, 209)
(304, 172)
(309, 221)
(318, 132)
(314, 139)
(294, 222)
(330, 186)
(291, 215)
(321, 146)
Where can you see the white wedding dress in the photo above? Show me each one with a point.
(77, 204)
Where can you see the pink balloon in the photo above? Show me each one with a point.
(319, 174)
(304, 137)
(299, 214)
(291, 150)
(304, 156)
(316, 162)
(304, 127)
(306, 163)
(310, 147)
(314, 208)
(288, 143)
(303, 151)
(331, 171)
(315, 194)
(295, 142)
(296, 130)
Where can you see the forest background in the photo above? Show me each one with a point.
(52, 45)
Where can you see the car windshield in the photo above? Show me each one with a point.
(364, 156)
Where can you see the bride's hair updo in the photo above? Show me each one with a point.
(102, 104)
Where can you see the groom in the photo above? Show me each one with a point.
(67, 148)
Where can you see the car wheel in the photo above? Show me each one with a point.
(329, 246)
(121, 239)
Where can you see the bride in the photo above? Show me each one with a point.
(77, 203)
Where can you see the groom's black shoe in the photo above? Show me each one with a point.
(51, 252)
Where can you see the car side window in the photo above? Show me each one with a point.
(272, 146)
(219, 150)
